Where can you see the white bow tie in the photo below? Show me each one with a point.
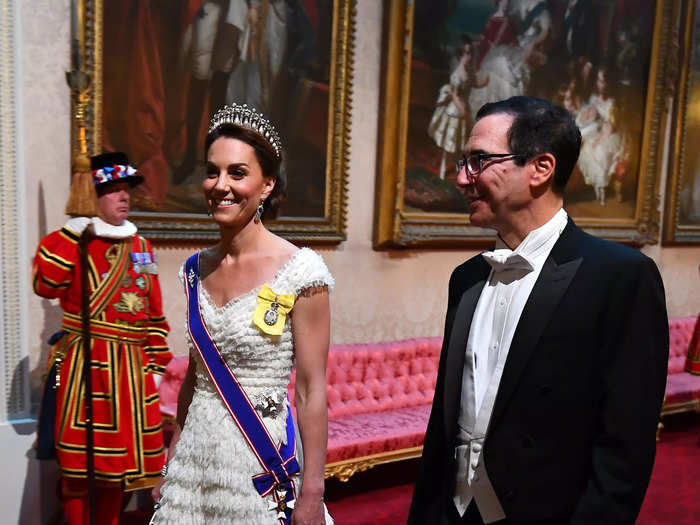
(505, 259)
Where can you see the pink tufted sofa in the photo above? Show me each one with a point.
(682, 388)
(379, 397)
(380, 394)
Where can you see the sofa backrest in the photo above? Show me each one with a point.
(373, 377)
(361, 377)
(680, 333)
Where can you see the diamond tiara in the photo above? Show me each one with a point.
(247, 117)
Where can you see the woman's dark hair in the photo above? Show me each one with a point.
(463, 40)
(540, 126)
(267, 158)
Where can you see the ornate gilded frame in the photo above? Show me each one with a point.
(396, 227)
(676, 230)
(330, 228)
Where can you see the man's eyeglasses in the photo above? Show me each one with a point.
(475, 161)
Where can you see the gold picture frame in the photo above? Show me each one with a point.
(325, 221)
(400, 225)
(682, 210)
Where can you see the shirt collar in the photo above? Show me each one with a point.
(533, 246)
(104, 229)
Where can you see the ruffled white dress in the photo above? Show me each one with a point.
(448, 128)
(209, 478)
(601, 150)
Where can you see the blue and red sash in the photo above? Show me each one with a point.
(279, 463)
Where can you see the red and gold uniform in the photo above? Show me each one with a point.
(128, 332)
(692, 362)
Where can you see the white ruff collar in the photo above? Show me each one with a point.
(104, 229)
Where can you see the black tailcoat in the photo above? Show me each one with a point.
(572, 434)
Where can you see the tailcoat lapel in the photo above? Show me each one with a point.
(554, 279)
(457, 348)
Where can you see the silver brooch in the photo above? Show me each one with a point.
(271, 314)
(267, 404)
(190, 277)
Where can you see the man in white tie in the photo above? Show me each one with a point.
(553, 366)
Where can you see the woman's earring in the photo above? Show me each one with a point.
(259, 212)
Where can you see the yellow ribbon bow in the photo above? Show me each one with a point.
(272, 310)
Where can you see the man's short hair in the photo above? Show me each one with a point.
(540, 126)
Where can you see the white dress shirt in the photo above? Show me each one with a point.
(512, 277)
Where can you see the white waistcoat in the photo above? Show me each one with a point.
(492, 329)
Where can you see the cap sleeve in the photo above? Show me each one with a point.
(310, 271)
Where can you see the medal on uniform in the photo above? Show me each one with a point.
(144, 262)
(271, 314)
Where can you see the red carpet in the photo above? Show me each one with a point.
(674, 491)
(382, 495)
(371, 498)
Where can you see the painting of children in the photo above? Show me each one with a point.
(591, 57)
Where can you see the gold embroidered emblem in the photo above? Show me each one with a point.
(111, 254)
(130, 302)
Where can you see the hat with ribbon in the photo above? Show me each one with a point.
(113, 167)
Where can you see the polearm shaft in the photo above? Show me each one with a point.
(87, 373)
(79, 82)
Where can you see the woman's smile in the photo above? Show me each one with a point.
(224, 203)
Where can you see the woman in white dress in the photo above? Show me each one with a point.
(450, 124)
(264, 304)
(602, 147)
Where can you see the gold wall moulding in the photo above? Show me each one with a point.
(612, 76)
(682, 211)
